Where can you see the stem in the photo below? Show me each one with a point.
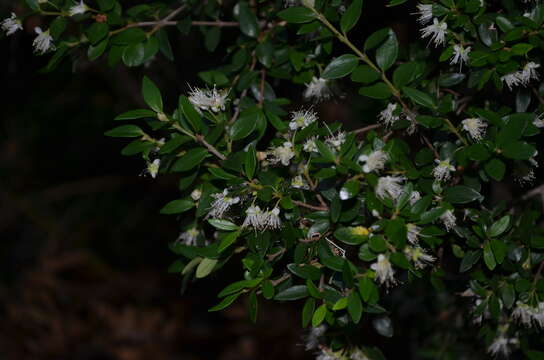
(165, 20)
(454, 130)
(308, 206)
(210, 147)
(366, 129)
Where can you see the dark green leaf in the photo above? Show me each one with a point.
(293, 293)
(351, 16)
(461, 194)
(248, 20)
(152, 95)
(177, 206)
(125, 131)
(190, 160)
(387, 53)
(297, 15)
(340, 67)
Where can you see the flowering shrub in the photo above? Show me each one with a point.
(343, 219)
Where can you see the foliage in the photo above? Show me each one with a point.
(340, 219)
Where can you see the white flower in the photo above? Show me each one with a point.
(475, 127)
(437, 31)
(460, 55)
(336, 141)
(442, 171)
(272, 219)
(539, 121)
(384, 271)
(414, 197)
(196, 194)
(189, 237)
(11, 24)
(43, 42)
(153, 168)
(289, 3)
(308, 3)
(528, 315)
(77, 9)
(412, 233)
(501, 345)
(448, 219)
(512, 79)
(425, 12)
(527, 177)
(318, 89)
(375, 161)
(529, 73)
(389, 187)
(309, 145)
(358, 355)
(302, 118)
(387, 116)
(298, 182)
(255, 217)
(419, 256)
(222, 203)
(314, 335)
(282, 154)
(211, 100)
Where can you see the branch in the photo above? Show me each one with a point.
(366, 129)
(166, 19)
(210, 147)
(308, 206)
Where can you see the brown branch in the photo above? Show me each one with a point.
(261, 91)
(210, 147)
(535, 91)
(430, 146)
(280, 280)
(538, 273)
(308, 206)
(169, 17)
(366, 129)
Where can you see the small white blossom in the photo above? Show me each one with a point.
(255, 218)
(358, 355)
(475, 127)
(196, 194)
(448, 219)
(153, 168)
(527, 178)
(77, 9)
(425, 12)
(384, 271)
(43, 42)
(272, 219)
(375, 161)
(512, 79)
(539, 121)
(314, 335)
(211, 100)
(412, 233)
(528, 315)
(501, 345)
(222, 203)
(308, 3)
(282, 154)
(419, 256)
(437, 31)
(388, 116)
(309, 145)
(460, 55)
(529, 73)
(336, 141)
(189, 237)
(298, 182)
(442, 171)
(301, 119)
(318, 89)
(414, 197)
(11, 25)
(389, 187)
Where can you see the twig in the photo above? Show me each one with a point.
(535, 91)
(263, 78)
(308, 206)
(244, 93)
(210, 147)
(430, 146)
(538, 273)
(366, 128)
(281, 279)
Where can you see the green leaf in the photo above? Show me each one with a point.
(461, 194)
(489, 258)
(223, 224)
(366, 288)
(419, 97)
(407, 72)
(340, 304)
(376, 38)
(471, 258)
(376, 91)
(97, 32)
(351, 235)
(499, 226)
(351, 16)
(136, 114)
(177, 206)
(519, 150)
(387, 53)
(125, 131)
(319, 315)
(325, 151)
(227, 241)
(205, 267)
(244, 126)
(305, 271)
(133, 55)
(355, 307)
(190, 113)
(499, 250)
(250, 162)
(190, 160)
(508, 295)
(224, 303)
(364, 74)
(495, 168)
(268, 289)
(293, 293)
(237, 286)
(152, 95)
(248, 20)
(129, 36)
(521, 49)
(431, 215)
(253, 306)
(308, 311)
(340, 67)
(95, 51)
(297, 15)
